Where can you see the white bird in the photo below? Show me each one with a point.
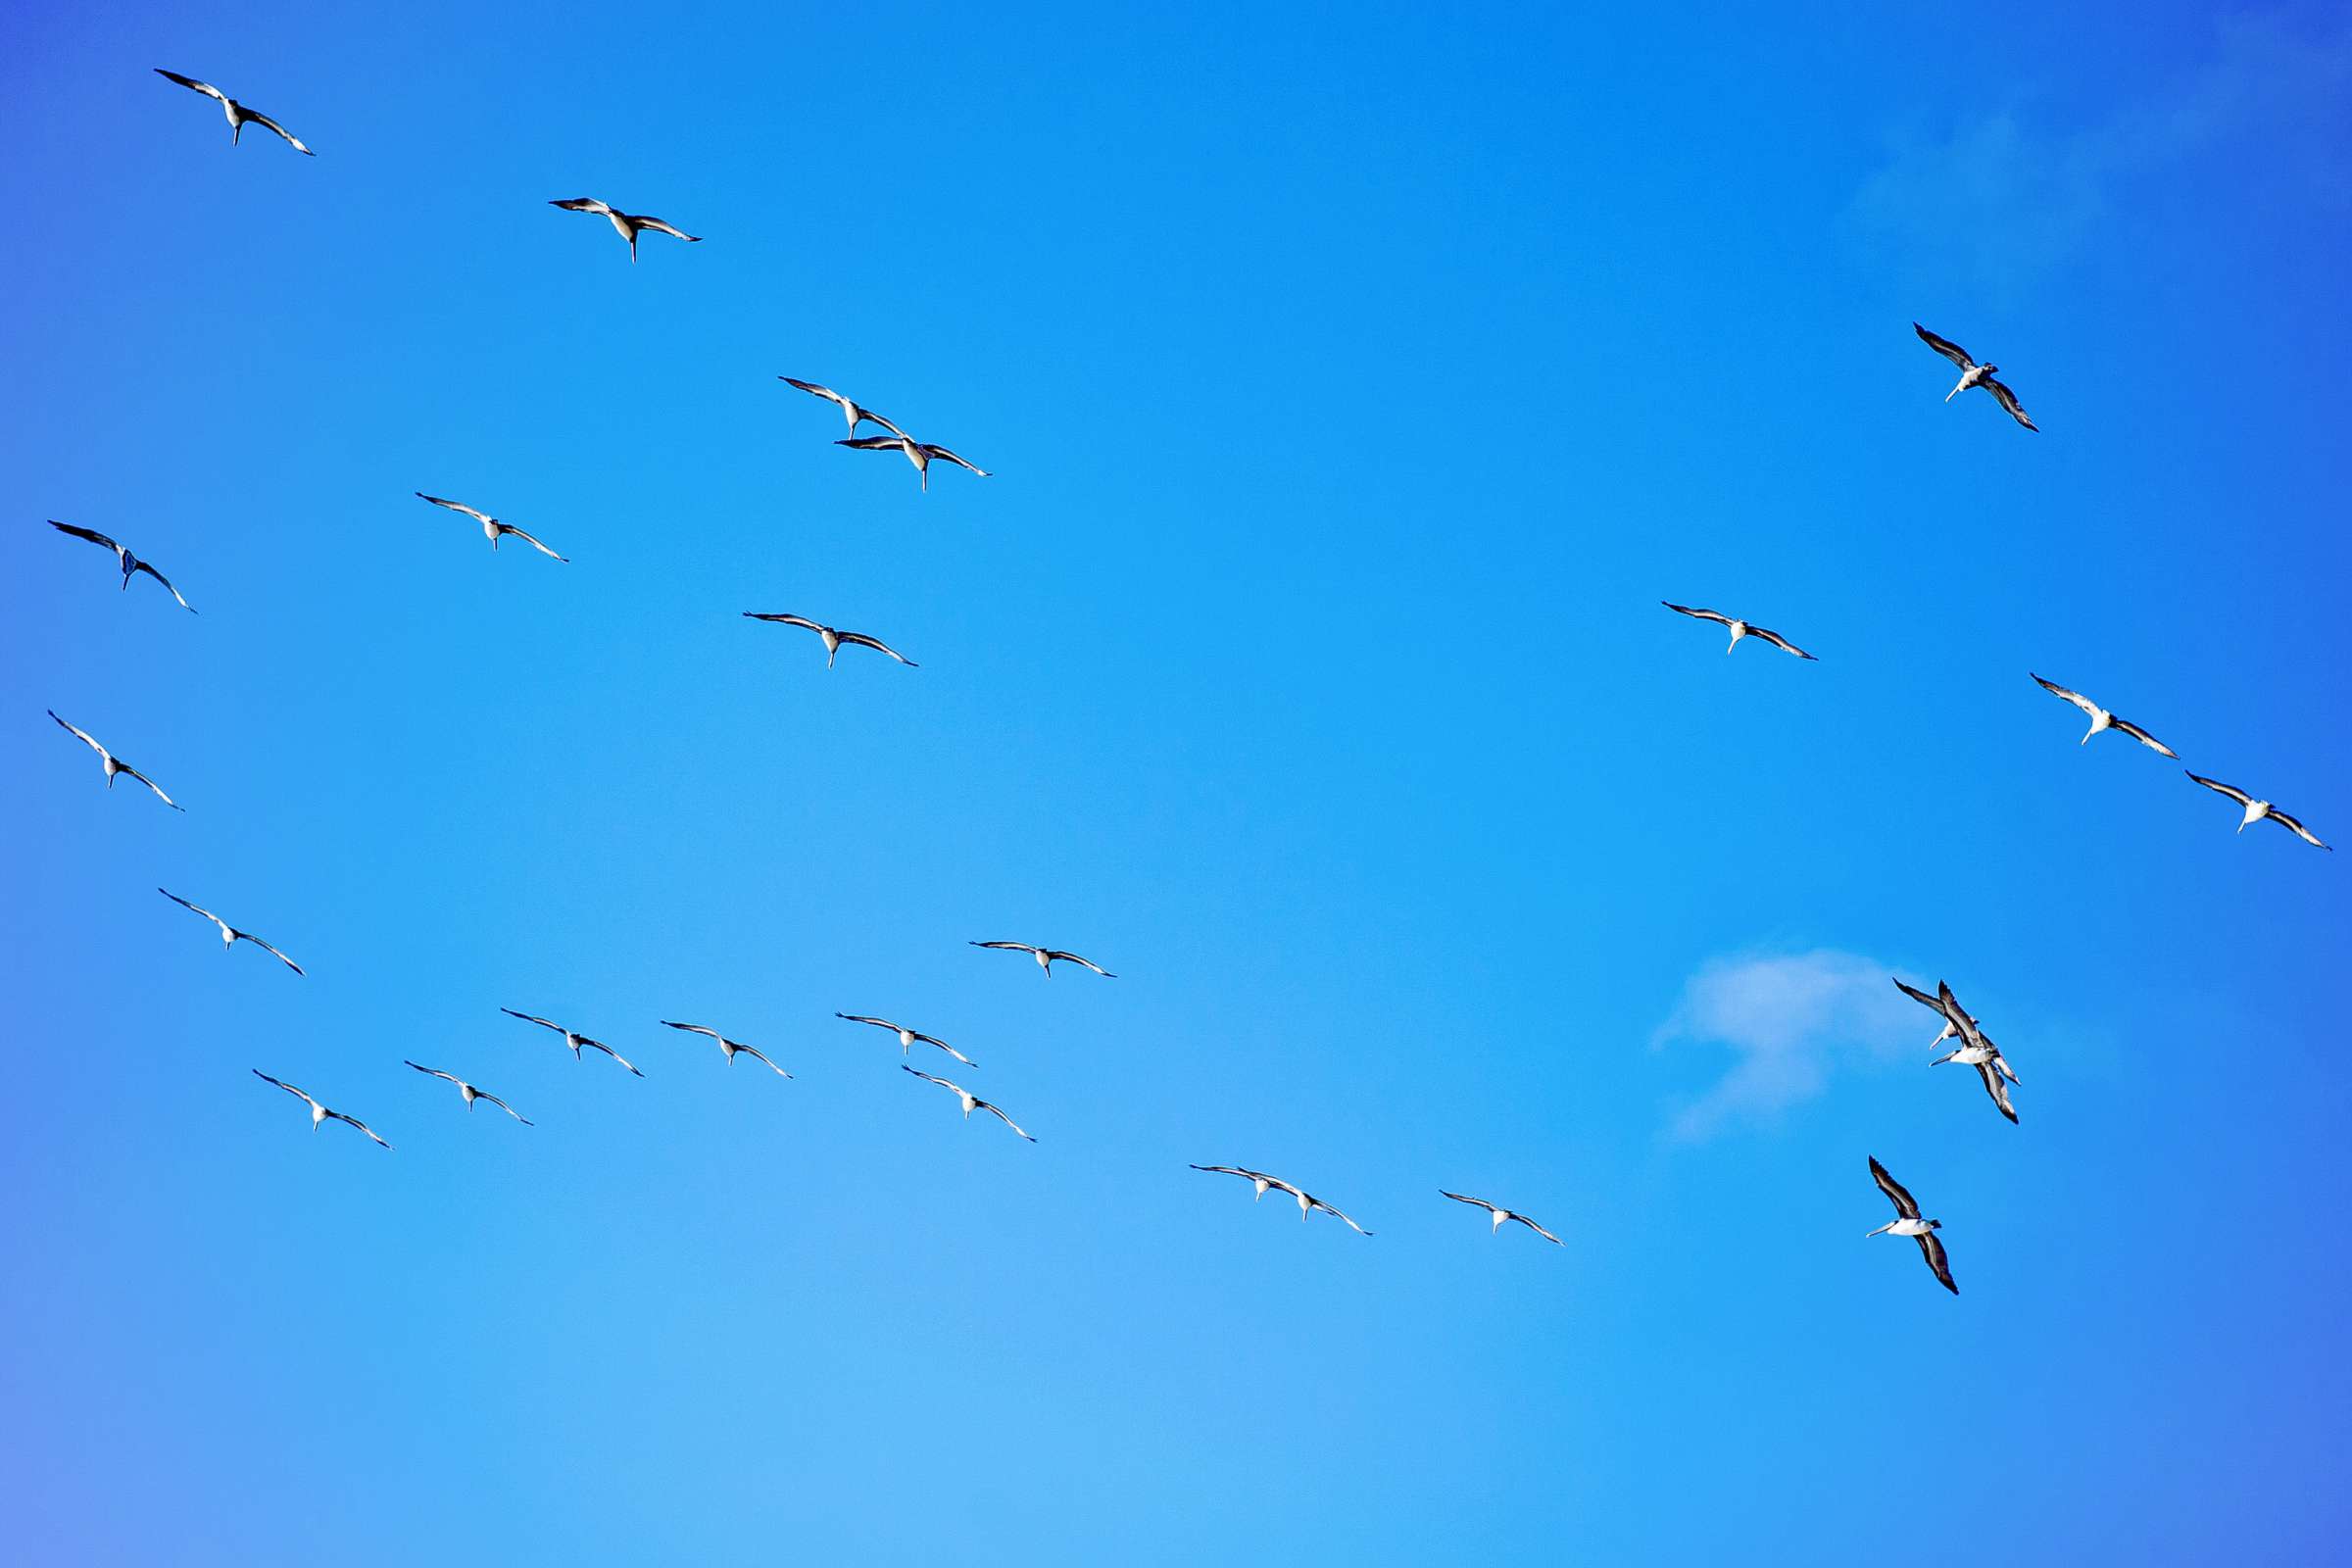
(492, 529)
(2101, 720)
(239, 114)
(318, 1113)
(112, 764)
(907, 1037)
(834, 638)
(1739, 628)
(1973, 375)
(1976, 1051)
(125, 558)
(574, 1041)
(230, 936)
(1308, 1201)
(628, 223)
(1500, 1214)
(2256, 809)
(1045, 956)
(971, 1102)
(855, 412)
(729, 1047)
(471, 1093)
(918, 453)
(1908, 1223)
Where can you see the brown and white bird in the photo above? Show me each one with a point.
(1308, 1201)
(124, 557)
(918, 453)
(1502, 1214)
(834, 638)
(492, 530)
(574, 1041)
(1908, 1223)
(729, 1047)
(318, 1113)
(971, 1102)
(854, 412)
(907, 1037)
(230, 936)
(2256, 811)
(2101, 720)
(471, 1094)
(112, 764)
(627, 224)
(1739, 628)
(1048, 956)
(239, 117)
(1973, 375)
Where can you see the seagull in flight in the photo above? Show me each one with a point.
(230, 936)
(492, 529)
(907, 1037)
(1500, 1214)
(629, 224)
(576, 1041)
(1045, 956)
(471, 1093)
(112, 764)
(2256, 809)
(834, 637)
(130, 562)
(971, 1102)
(1973, 375)
(730, 1047)
(2101, 720)
(318, 1113)
(1908, 1223)
(239, 114)
(1308, 1201)
(918, 453)
(855, 412)
(1739, 628)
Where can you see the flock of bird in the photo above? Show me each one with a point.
(1974, 1046)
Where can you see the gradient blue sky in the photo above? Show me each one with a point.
(1355, 390)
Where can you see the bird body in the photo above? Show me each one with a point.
(918, 453)
(1739, 628)
(239, 117)
(833, 637)
(319, 1114)
(1973, 375)
(575, 1040)
(728, 1047)
(492, 530)
(1908, 1222)
(1046, 956)
(113, 765)
(854, 412)
(469, 1094)
(130, 563)
(2255, 811)
(1500, 1214)
(971, 1102)
(1308, 1203)
(907, 1037)
(2101, 718)
(230, 936)
(626, 224)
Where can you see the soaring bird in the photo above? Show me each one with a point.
(238, 114)
(1308, 1203)
(628, 224)
(230, 936)
(971, 1102)
(729, 1047)
(854, 412)
(1949, 1029)
(1046, 958)
(318, 1113)
(125, 558)
(834, 637)
(2256, 809)
(918, 453)
(1973, 375)
(471, 1094)
(112, 764)
(1976, 1051)
(1908, 1223)
(2101, 720)
(907, 1037)
(1500, 1214)
(574, 1041)
(1739, 628)
(492, 530)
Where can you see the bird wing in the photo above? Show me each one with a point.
(875, 443)
(2141, 736)
(296, 144)
(659, 228)
(1930, 1247)
(2077, 697)
(1229, 1170)
(141, 565)
(1780, 642)
(435, 1072)
(336, 1116)
(584, 204)
(198, 908)
(120, 766)
(1998, 1089)
(816, 391)
(998, 1113)
(1919, 996)
(1314, 1202)
(754, 1051)
(1477, 1202)
(2214, 784)
(2295, 826)
(1010, 947)
(1716, 616)
(879, 646)
(272, 951)
(1945, 347)
(929, 1079)
(283, 1084)
(610, 1051)
(1894, 1189)
(483, 1093)
(858, 1017)
(482, 517)
(91, 534)
(1072, 957)
(509, 528)
(83, 735)
(784, 621)
(933, 1040)
(691, 1028)
(2009, 401)
(204, 87)
(544, 1023)
(1539, 1230)
(941, 452)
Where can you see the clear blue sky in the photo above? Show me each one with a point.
(1354, 390)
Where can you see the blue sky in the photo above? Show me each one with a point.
(1354, 393)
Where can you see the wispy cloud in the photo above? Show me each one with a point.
(1791, 1023)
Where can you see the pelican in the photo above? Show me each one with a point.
(130, 562)
(1976, 1051)
(1045, 956)
(1908, 1223)
(239, 114)
(576, 1041)
(471, 1093)
(834, 637)
(1973, 375)
(730, 1047)
(1500, 1214)
(1739, 628)
(1308, 1201)
(113, 765)
(855, 412)
(971, 1102)
(492, 529)
(907, 1037)
(2256, 809)
(2101, 720)
(918, 453)
(230, 936)
(628, 224)
(1950, 1031)
(318, 1113)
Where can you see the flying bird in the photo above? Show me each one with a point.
(855, 412)
(918, 453)
(1949, 1029)
(471, 1093)
(629, 224)
(1976, 1051)
(1908, 1223)
(1973, 375)
(729, 1047)
(130, 562)
(492, 529)
(1308, 1201)
(2256, 809)
(575, 1041)
(230, 936)
(1045, 956)
(1500, 1214)
(907, 1037)
(834, 638)
(318, 1113)
(1739, 628)
(2101, 720)
(112, 764)
(239, 114)
(971, 1102)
